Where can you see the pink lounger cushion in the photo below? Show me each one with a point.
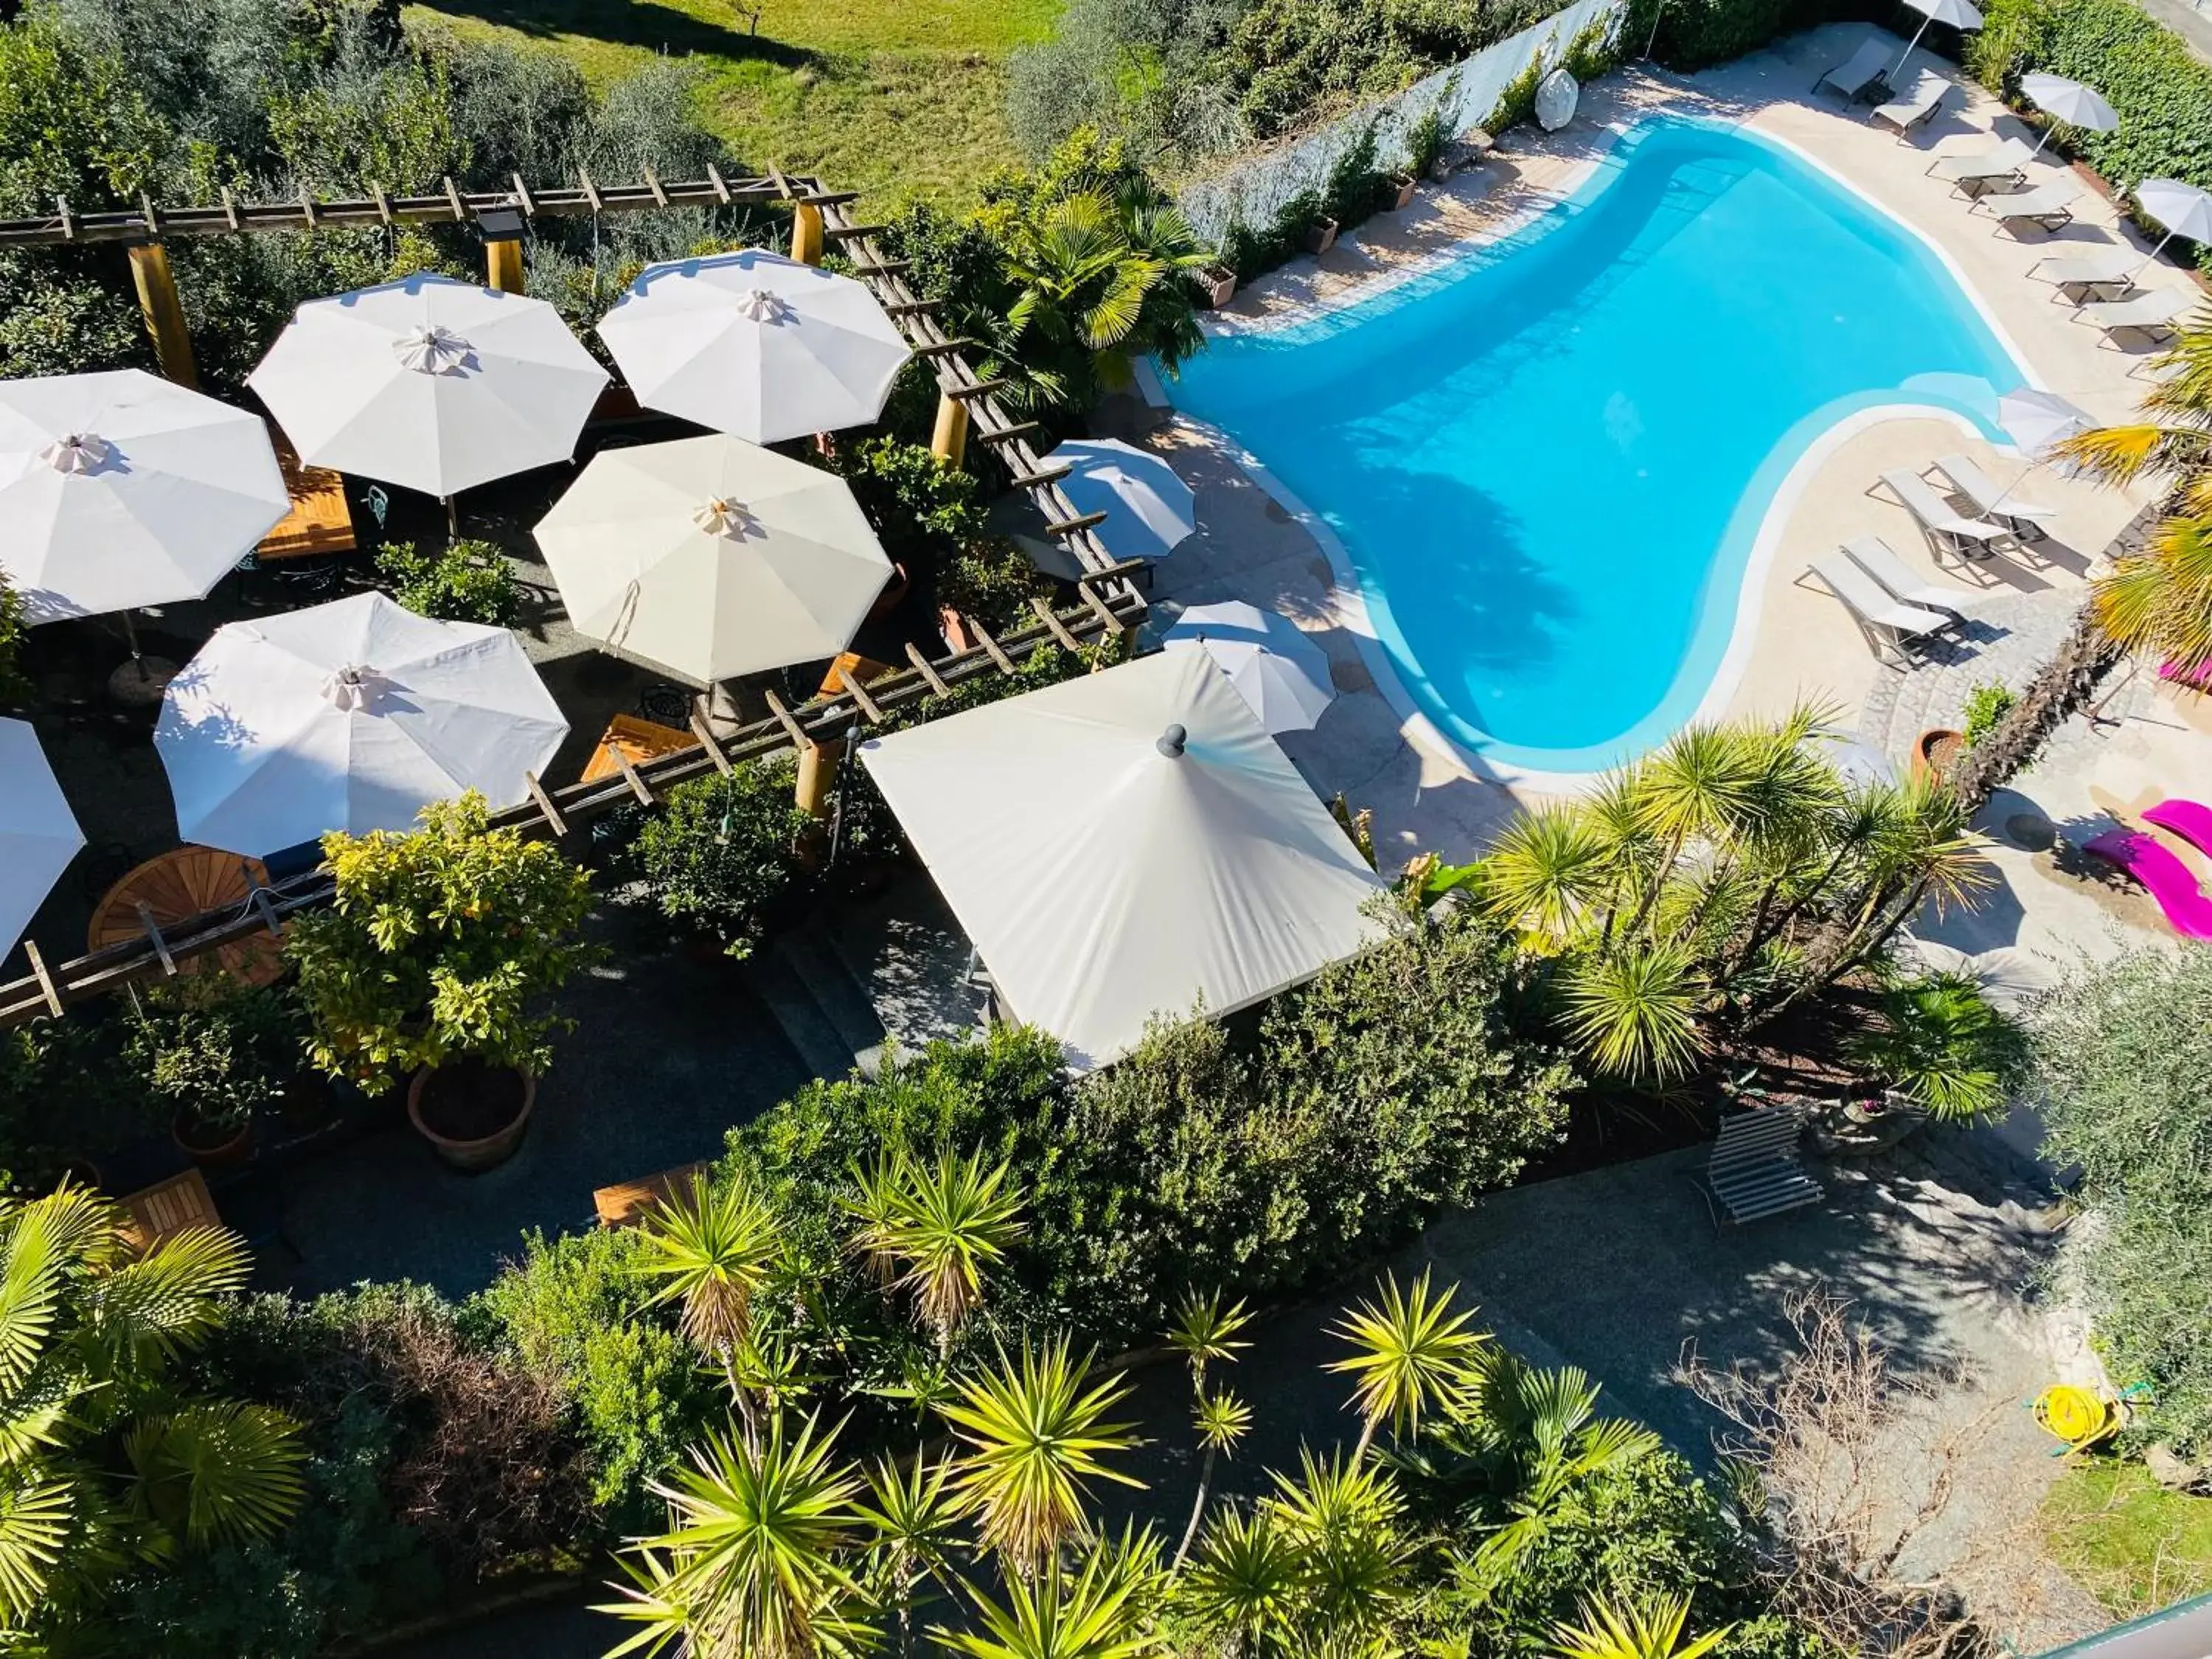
(2191, 820)
(2162, 873)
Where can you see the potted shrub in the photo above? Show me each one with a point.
(210, 1058)
(1404, 184)
(991, 579)
(722, 856)
(1320, 236)
(434, 963)
(1217, 285)
(1938, 750)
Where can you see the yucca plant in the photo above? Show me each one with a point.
(1635, 1010)
(1412, 1355)
(711, 1245)
(1347, 1517)
(1221, 1421)
(103, 1458)
(753, 1565)
(1635, 1628)
(934, 1229)
(913, 1516)
(1036, 1434)
(1247, 1582)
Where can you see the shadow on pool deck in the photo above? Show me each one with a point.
(668, 1053)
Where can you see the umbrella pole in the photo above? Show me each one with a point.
(1915, 42)
(453, 520)
(2049, 126)
(130, 637)
(2154, 252)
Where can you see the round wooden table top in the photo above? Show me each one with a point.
(179, 886)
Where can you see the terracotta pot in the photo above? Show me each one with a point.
(483, 1152)
(1322, 237)
(222, 1155)
(956, 630)
(1406, 188)
(1938, 751)
(1219, 286)
(892, 596)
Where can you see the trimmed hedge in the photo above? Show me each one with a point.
(2162, 90)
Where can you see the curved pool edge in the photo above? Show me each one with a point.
(1351, 600)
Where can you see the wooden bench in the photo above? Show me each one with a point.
(637, 741)
(623, 1203)
(1752, 1171)
(166, 1208)
(320, 521)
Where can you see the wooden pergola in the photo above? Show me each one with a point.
(1109, 605)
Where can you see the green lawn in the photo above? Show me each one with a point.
(875, 95)
(2133, 1545)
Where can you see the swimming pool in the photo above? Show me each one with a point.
(1548, 460)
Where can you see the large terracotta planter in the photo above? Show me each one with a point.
(1322, 237)
(1406, 186)
(473, 1154)
(1937, 752)
(218, 1155)
(1219, 285)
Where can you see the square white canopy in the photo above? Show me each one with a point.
(1106, 872)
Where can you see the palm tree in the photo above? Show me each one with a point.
(103, 1458)
(713, 1245)
(1248, 1581)
(1205, 1333)
(1549, 873)
(938, 1227)
(1036, 1432)
(1222, 1419)
(912, 1515)
(1634, 1630)
(751, 1564)
(1101, 1610)
(1411, 1354)
(1635, 1009)
(1346, 1518)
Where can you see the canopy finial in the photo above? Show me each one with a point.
(1172, 742)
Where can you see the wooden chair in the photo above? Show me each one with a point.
(636, 741)
(168, 1208)
(320, 521)
(623, 1203)
(866, 669)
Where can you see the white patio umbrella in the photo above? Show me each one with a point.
(119, 489)
(428, 383)
(350, 715)
(38, 832)
(1149, 509)
(1958, 14)
(2039, 421)
(755, 344)
(1124, 844)
(2179, 209)
(2069, 101)
(711, 557)
(1281, 674)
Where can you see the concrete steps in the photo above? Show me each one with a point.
(822, 1011)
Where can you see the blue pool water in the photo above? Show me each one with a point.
(1549, 460)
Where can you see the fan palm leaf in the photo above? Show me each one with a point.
(1036, 1433)
(215, 1471)
(37, 1514)
(1411, 1354)
(2160, 600)
(170, 1297)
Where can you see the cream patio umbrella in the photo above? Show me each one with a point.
(711, 557)
(351, 715)
(118, 489)
(755, 344)
(1279, 670)
(430, 383)
(1958, 14)
(39, 835)
(1125, 845)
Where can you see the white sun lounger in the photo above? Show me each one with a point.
(1865, 68)
(1909, 110)
(2103, 268)
(1880, 561)
(1985, 168)
(1890, 624)
(1990, 500)
(2051, 206)
(2155, 313)
(1959, 537)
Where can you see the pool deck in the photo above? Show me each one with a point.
(1796, 639)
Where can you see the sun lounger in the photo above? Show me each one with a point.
(1890, 624)
(1952, 533)
(2191, 820)
(2104, 269)
(1865, 70)
(1910, 109)
(2155, 313)
(1879, 560)
(2162, 873)
(1984, 169)
(1752, 1171)
(1991, 501)
(2049, 207)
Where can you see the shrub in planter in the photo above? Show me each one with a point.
(435, 959)
(466, 581)
(1424, 143)
(723, 850)
(1985, 706)
(210, 1057)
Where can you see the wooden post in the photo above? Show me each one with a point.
(949, 443)
(807, 234)
(165, 317)
(817, 775)
(503, 266)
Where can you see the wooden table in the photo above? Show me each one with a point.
(637, 741)
(320, 521)
(179, 886)
(626, 1202)
(168, 1208)
(866, 669)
